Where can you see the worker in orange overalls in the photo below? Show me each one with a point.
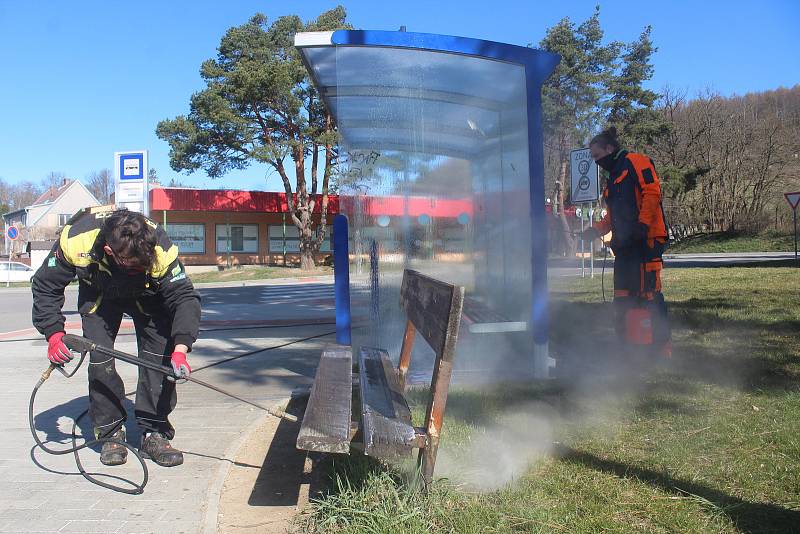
(635, 217)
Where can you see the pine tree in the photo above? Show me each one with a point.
(631, 106)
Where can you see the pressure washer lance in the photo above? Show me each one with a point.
(84, 346)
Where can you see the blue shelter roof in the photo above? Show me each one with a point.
(380, 86)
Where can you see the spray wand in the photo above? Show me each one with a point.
(83, 345)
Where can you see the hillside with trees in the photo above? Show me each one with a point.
(725, 161)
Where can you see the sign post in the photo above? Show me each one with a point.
(579, 215)
(591, 243)
(584, 188)
(794, 199)
(12, 233)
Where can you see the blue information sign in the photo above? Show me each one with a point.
(12, 232)
(131, 166)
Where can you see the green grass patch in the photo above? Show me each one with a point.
(706, 441)
(257, 273)
(770, 241)
(15, 284)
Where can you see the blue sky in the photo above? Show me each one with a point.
(81, 80)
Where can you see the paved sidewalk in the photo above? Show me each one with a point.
(52, 497)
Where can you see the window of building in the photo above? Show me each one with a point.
(63, 218)
(190, 238)
(289, 236)
(242, 238)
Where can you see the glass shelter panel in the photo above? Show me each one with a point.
(434, 176)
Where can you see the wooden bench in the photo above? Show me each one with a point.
(379, 422)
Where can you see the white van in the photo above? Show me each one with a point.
(14, 271)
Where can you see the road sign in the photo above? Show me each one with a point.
(130, 180)
(584, 177)
(794, 199)
(12, 232)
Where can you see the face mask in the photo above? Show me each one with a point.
(135, 271)
(606, 162)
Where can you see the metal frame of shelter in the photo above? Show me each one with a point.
(537, 65)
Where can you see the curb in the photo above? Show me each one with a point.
(209, 524)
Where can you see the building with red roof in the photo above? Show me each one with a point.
(221, 227)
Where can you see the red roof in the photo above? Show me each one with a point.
(181, 199)
(53, 193)
(177, 199)
(415, 206)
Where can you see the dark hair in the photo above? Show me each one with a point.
(130, 235)
(606, 138)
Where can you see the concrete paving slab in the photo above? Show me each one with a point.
(51, 497)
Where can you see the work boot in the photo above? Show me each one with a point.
(113, 452)
(156, 447)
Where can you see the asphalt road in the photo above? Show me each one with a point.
(233, 303)
(288, 300)
(566, 267)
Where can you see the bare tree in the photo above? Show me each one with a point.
(24, 194)
(727, 160)
(54, 179)
(101, 185)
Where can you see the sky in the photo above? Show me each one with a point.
(84, 79)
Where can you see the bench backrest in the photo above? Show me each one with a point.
(434, 307)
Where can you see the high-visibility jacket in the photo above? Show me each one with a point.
(634, 213)
(164, 289)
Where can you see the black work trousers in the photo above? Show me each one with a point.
(637, 283)
(155, 395)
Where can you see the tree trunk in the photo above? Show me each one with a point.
(306, 258)
(566, 235)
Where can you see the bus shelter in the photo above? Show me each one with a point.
(440, 169)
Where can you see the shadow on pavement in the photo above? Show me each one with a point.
(282, 474)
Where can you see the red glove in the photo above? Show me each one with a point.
(57, 352)
(179, 364)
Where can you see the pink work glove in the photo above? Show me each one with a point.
(57, 352)
(179, 364)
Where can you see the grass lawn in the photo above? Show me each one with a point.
(707, 441)
(770, 241)
(256, 273)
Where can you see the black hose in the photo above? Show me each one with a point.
(603, 271)
(252, 352)
(85, 346)
(137, 489)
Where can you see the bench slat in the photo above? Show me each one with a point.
(386, 418)
(427, 303)
(326, 423)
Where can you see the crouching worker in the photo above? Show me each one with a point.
(635, 217)
(125, 264)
